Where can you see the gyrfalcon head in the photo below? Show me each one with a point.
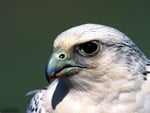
(92, 54)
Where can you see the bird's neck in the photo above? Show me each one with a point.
(106, 91)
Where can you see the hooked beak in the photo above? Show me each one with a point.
(60, 65)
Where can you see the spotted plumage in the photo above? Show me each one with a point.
(95, 69)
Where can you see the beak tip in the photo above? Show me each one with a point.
(47, 75)
(50, 75)
(48, 79)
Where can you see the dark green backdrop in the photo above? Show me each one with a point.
(28, 27)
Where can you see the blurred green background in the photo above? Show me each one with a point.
(28, 28)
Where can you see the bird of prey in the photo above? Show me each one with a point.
(94, 69)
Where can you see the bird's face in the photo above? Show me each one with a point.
(72, 60)
(89, 52)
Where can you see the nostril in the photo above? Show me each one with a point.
(62, 56)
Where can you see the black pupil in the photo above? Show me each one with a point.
(88, 47)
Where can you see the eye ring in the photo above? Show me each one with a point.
(89, 48)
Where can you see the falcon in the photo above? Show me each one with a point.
(94, 69)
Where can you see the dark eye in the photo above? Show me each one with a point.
(89, 48)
